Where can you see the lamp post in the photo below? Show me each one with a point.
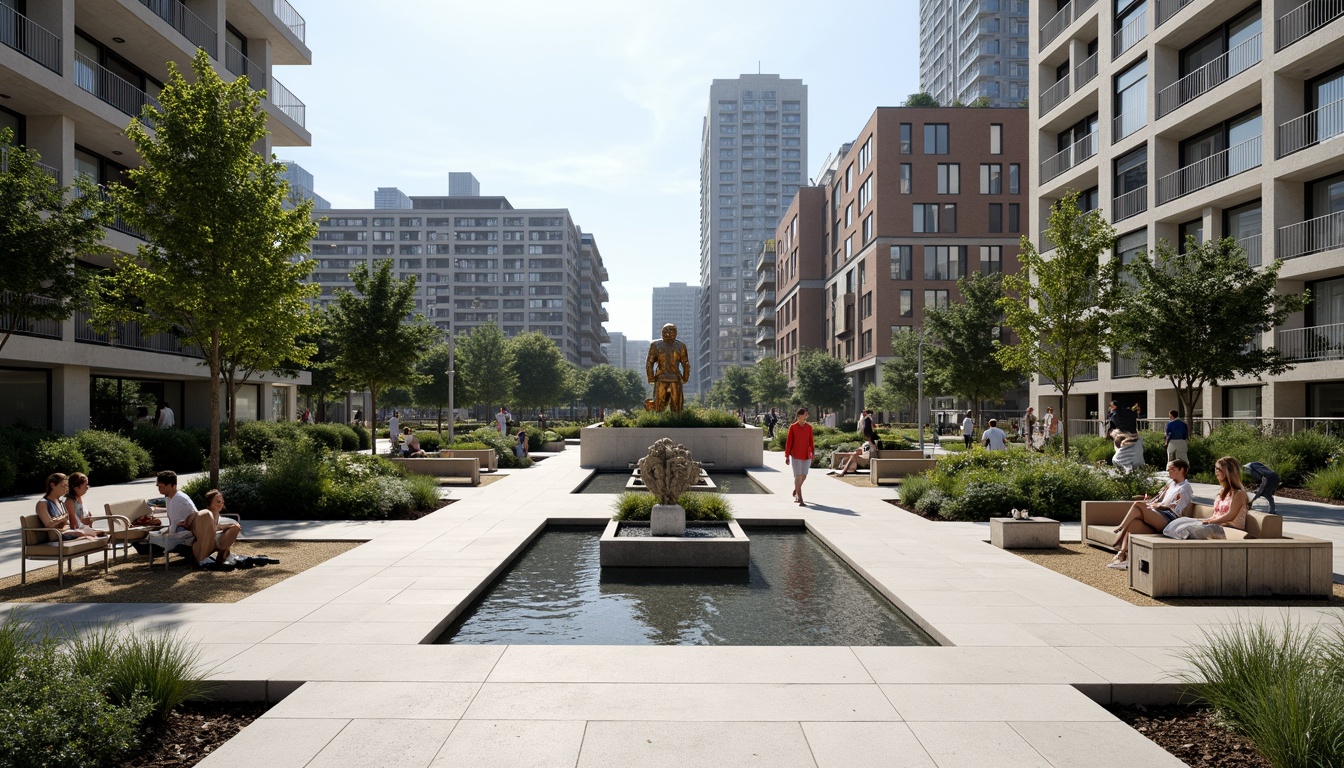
(919, 388)
(451, 373)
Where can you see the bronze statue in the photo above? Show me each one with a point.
(667, 368)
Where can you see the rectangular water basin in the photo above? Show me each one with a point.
(706, 545)
(794, 592)
(724, 482)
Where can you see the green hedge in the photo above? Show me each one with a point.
(699, 506)
(690, 418)
(181, 450)
(112, 458)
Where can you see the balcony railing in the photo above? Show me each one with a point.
(118, 223)
(55, 173)
(1125, 367)
(96, 79)
(1052, 96)
(1057, 23)
(30, 38)
(1305, 19)
(1132, 203)
(1072, 155)
(765, 336)
(191, 26)
(765, 316)
(1130, 35)
(47, 329)
(1321, 342)
(1124, 124)
(287, 102)
(238, 64)
(1312, 128)
(1168, 8)
(765, 298)
(1323, 233)
(291, 18)
(1210, 170)
(765, 279)
(1250, 245)
(1086, 72)
(1246, 55)
(129, 336)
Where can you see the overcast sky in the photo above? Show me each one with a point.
(586, 105)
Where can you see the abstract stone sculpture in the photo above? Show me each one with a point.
(668, 472)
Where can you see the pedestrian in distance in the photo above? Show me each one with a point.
(968, 430)
(799, 448)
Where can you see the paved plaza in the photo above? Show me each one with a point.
(1029, 656)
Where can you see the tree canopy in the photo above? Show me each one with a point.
(965, 335)
(434, 389)
(921, 99)
(377, 336)
(769, 385)
(900, 381)
(611, 387)
(733, 389)
(220, 243)
(44, 228)
(1196, 318)
(821, 381)
(485, 366)
(1058, 306)
(540, 369)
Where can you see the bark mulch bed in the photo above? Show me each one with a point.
(191, 732)
(1193, 735)
(1301, 494)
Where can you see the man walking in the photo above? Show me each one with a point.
(1178, 439)
(994, 438)
(968, 430)
(866, 427)
(770, 421)
(502, 419)
(1029, 426)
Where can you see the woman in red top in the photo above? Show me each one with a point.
(798, 450)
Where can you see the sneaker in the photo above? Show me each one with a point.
(1118, 565)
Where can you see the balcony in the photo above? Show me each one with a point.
(1168, 8)
(188, 24)
(765, 299)
(765, 280)
(1305, 19)
(1054, 95)
(29, 38)
(1312, 128)
(766, 317)
(241, 66)
(1086, 72)
(1131, 203)
(1320, 342)
(765, 336)
(1061, 20)
(1250, 245)
(129, 336)
(1323, 233)
(1246, 55)
(55, 173)
(1209, 171)
(1072, 155)
(46, 329)
(118, 223)
(1129, 35)
(1125, 367)
(96, 79)
(287, 102)
(291, 18)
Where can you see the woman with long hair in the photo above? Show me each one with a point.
(74, 501)
(1231, 503)
(49, 510)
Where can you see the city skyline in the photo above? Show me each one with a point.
(607, 125)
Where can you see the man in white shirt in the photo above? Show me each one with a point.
(993, 438)
(201, 530)
(394, 430)
(166, 419)
(968, 430)
(502, 419)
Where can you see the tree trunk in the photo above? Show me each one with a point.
(440, 420)
(232, 405)
(1064, 417)
(373, 409)
(214, 408)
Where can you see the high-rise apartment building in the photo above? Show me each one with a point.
(753, 153)
(923, 197)
(301, 185)
(390, 198)
(974, 49)
(630, 354)
(679, 304)
(1212, 120)
(463, 184)
(72, 74)
(765, 299)
(478, 260)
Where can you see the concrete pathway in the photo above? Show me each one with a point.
(1029, 657)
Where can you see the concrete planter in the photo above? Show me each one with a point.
(716, 448)
(674, 552)
(555, 447)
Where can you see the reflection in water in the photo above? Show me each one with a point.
(724, 482)
(796, 592)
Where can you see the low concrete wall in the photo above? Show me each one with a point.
(718, 448)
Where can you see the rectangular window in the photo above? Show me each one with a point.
(1014, 218)
(849, 215)
(996, 139)
(866, 305)
(906, 178)
(907, 303)
(865, 154)
(935, 138)
(926, 217)
(949, 218)
(906, 139)
(1014, 178)
(991, 259)
(996, 218)
(1131, 100)
(991, 178)
(900, 262)
(949, 178)
(865, 193)
(937, 298)
(867, 228)
(1131, 171)
(944, 262)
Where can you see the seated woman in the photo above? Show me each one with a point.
(1229, 506)
(852, 460)
(520, 447)
(1152, 516)
(212, 533)
(49, 511)
(1128, 450)
(410, 444)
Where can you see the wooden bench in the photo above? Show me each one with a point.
(884, 471)
(444, 467)
(487, 457)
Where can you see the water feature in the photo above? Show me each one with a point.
(724, 482)
(796, 592)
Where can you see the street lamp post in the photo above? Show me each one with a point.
(919, 387)
(451, 373)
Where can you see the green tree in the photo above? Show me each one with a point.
(734, 387)
(611, 387)
(965, 334)
(769, 385)
(326, 381)
(980, 102)
(1194, 318)
(1058, 307)
(899, 388)
(377, 337)
(220, 239)
(434, 390)
(540, 369)
(921, 99)
(43, 231)
(821, 381)
(277, 339)
(485, 366)
(400, 397)
(637, 390)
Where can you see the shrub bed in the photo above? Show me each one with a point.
(689, 418)
(112, 458)
(181, 450)
(699, 506)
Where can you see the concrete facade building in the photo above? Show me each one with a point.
(679, 304)
(974, 49)
(630, 354)
(1212, 119)
(765, 300)
(478, 260)
(753, 153)
(72, 74)
(924, 197)
(391, 199)
(462, 184)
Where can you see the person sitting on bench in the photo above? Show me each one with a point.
(853, 460)
(204, 530)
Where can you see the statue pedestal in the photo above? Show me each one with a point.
(717, 448)
(668, 520)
